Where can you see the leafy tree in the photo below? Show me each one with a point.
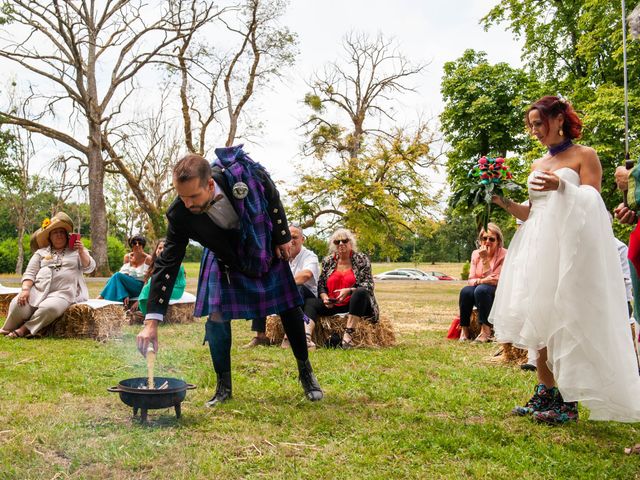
(381, 200)
(459, 233)
(575, 48)
(483, 115)
(8, 173)
(317, 245)
(364, 174)
(484, 106)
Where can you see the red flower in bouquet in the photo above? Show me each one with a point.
(489, 176)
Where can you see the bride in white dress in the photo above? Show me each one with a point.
(562, 290)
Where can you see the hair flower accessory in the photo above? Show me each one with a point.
(489, 176)
(45, 223)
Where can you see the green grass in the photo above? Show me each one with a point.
(427, 408)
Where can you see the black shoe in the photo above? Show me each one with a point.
(309, 381)
(223, 390)
(528, 367)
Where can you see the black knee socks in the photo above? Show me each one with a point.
(218, 334)
(293, 323)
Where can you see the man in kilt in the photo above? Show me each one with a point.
(233, 209)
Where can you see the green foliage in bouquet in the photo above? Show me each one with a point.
(488, 177)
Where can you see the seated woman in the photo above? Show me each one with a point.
(128, 282)
(486, 263)
(345, 285)
(178, 288)
(52, 281)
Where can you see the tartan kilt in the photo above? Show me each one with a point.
(243, 297)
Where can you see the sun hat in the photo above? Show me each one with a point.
(40, 237)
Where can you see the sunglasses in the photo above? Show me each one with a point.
(137, 242)
(338, 242)
(490, 239)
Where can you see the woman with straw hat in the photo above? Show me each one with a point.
(52, 281)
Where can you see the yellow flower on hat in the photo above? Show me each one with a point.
(45, 223)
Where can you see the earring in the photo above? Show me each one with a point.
(561, 133)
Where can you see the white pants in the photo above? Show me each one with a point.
(34, 318)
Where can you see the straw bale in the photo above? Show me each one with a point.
(367, 334)
(83, 321)
(474, 326)
(514, 354)
(5, 300)
(180, 313)
(176, 313)
(507, 353)
(274, 330)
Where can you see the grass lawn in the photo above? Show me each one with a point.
(427, 408)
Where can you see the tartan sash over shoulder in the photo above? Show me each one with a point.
(254, 249)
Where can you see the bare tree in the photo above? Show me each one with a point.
(149, 149)
(212, 81)
(88, 58)
(361, 87)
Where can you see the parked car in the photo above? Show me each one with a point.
(420, 273)
(441, 276)
(403, 275)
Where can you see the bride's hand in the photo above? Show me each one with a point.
(545, 181)
(498, 200)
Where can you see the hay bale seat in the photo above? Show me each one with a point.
(179, 311)
(507, 353)
(6, 295)
(97, 319)
(367, 334)
(474, 325)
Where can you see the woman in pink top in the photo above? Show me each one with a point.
(486, 263)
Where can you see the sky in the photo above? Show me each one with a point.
(426, 31)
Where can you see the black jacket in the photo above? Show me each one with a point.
(184, 225)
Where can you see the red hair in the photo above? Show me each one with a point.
(551, 107)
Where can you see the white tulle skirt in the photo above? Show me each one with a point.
(562, 287)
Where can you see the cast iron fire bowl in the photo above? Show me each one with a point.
(145, 399)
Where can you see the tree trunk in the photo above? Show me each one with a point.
(97, 203)
(20, 260)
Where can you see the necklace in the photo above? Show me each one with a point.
(57, 256)
(561, 147)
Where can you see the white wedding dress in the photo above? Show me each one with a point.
(562, 287)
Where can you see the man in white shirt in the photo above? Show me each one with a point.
(305, 268)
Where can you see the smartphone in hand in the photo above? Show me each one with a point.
(332, 300)
(73, 238)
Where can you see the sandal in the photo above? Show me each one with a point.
(4, 332)
(15, 334)
(310, 344)
(481, 339)
(348, 344)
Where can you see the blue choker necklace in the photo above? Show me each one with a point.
(561, 147)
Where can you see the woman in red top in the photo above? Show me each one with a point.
(345, 285)
(486, 264)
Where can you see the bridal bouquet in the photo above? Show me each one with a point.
(489, 176)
